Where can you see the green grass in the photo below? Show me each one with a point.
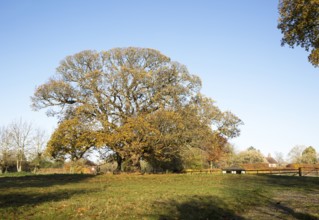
(170, 196)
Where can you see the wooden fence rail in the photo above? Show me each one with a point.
(301, 171)
(193, 171)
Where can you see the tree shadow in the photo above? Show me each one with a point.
(296, 215)
(197, 207)
(16, 200)
(292, 181)
(307, 185)
(291, 197)
(41, 180)
(15, 193)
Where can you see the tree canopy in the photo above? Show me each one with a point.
(309, 155)
(135, 101)
(299, 24)
(251, 155)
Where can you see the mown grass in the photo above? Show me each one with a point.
(169, 196)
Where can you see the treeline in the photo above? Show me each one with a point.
(22, 146)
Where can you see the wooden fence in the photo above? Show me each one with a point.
(193, 171)
(301, 171)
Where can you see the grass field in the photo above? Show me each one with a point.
(169, 196)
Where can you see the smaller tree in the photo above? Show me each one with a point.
(309, 155)
(39, 142)
(72, 138)
(251, 155)
(279, 157)
(6, 150)
(295, 154)
(20, 144)
(251, 148)
(228, 156)
(21, 139)
(215, 149)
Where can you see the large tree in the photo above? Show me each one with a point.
(138, 102)
(299, 24)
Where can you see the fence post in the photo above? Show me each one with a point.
(300, 171)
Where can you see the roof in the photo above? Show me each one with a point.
(271, 160)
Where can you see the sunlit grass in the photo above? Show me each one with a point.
(170, 196)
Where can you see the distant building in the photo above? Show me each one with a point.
(271, 161)
(234, 170)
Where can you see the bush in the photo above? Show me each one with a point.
(303, 165)
(255, 166)
(109, 167)
(146, 167)
(78, 166)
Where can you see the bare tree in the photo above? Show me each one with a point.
(295, 154)
(6, 151)
(279, 157)
(21, 134)
(39, 142)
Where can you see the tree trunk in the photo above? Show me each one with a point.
(136, 165)
(119, 161)
(19, 166)
(35, 169)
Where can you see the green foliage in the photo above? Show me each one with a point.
(299, 24)
(295, 154)
(108, 167)
(309, 156)
(46, 163)
(72, 137)
(251, 155)
(78, 166)
(146, 167)
(194, 158)
(251, 148)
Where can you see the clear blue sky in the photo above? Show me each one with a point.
(234, 46)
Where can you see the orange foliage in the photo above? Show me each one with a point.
(303, 165)
(255, 166)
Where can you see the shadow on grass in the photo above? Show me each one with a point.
(197, 207)
(307, 183)
(296, 215)
(16, 200)
(41, 180)
(282, 197)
